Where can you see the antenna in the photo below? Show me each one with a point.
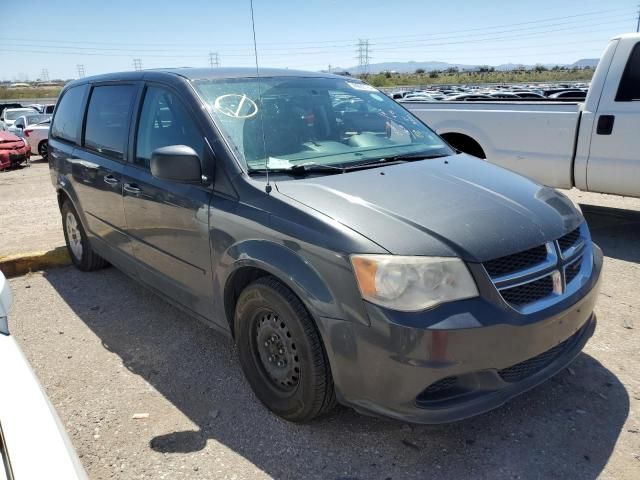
(264, 142)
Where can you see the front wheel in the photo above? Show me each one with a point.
(82, 254)
(281, 352)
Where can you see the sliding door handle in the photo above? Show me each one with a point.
(132, 188)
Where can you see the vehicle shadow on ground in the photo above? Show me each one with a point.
(615, 230)
(565, 428)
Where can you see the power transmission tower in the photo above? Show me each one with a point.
(44, 76)
(214, 59)
(80, 71)
(363, 56)
(137, 64)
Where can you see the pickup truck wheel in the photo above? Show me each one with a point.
(82, 254)
(281, 352)
(43, 149)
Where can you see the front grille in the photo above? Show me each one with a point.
(525, 369)
(571, 271)
(517, 261)
(529, 292)
(569, 240)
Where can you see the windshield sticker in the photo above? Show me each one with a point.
(278, 163)
(236, 106)
(362, 87)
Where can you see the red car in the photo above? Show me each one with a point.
(13, 150)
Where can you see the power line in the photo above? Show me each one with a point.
(137, 64)
(214, 59)
(80, 71)
(491, 28)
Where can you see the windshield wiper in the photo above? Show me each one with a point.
(394, 159)
(300, 170)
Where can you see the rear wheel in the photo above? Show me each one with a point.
(82, 254)
(281, 352)
(43, 149)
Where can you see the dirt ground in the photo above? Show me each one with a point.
(29, 215)
(105, 349)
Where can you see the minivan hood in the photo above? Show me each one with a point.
(457, 205)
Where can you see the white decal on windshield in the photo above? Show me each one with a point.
(236, 106)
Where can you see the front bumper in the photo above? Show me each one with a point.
(474, 356)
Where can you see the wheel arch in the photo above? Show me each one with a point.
(464, 143)
(257, 258)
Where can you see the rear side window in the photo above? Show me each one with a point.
(107, 125)
(629, 89)
(165, 121)
(68, 117)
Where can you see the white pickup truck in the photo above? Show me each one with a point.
(593, 146)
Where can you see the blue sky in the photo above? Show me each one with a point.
(106, 35)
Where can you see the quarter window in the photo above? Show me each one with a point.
(108, 115)
(165, 121)
(629, 89)
(69, 114)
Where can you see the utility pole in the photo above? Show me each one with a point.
(80, 71)
(44, 76)
(214, 59)
(638, 24)
(363, 56)
(137, 64)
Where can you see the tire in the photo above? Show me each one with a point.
(297, 385)
(82, 254)
(43, 149)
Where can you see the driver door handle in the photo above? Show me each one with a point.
(110, 179)
(132, 188)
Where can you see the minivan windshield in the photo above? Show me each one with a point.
(283, 122)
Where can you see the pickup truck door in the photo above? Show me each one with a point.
(614, 155)
(168, 222)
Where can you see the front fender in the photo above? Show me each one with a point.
(288, 266)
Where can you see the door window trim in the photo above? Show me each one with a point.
(136, 97)
(133, 140)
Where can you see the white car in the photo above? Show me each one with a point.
(9, 116)
(25, 121)
(33, 443)
(37, 137)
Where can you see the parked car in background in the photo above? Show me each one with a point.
(24, 121)
(572, 94)
(9, 116)
(14, 151)
(37, 138)
(33, 442)
(349, 251)
(592, 146)
(4, 106)
(48, 109)
(531, 95)
(464, 97)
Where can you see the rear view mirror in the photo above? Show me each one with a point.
(177, 163)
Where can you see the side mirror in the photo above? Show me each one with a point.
(19, 124)
(177, 163)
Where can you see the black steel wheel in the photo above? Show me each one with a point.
(281, 352)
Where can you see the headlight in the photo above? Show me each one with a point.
(410, 284)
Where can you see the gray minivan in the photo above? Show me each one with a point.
(351, 253)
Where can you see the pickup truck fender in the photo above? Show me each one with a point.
(278, 260)
(467, 129)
